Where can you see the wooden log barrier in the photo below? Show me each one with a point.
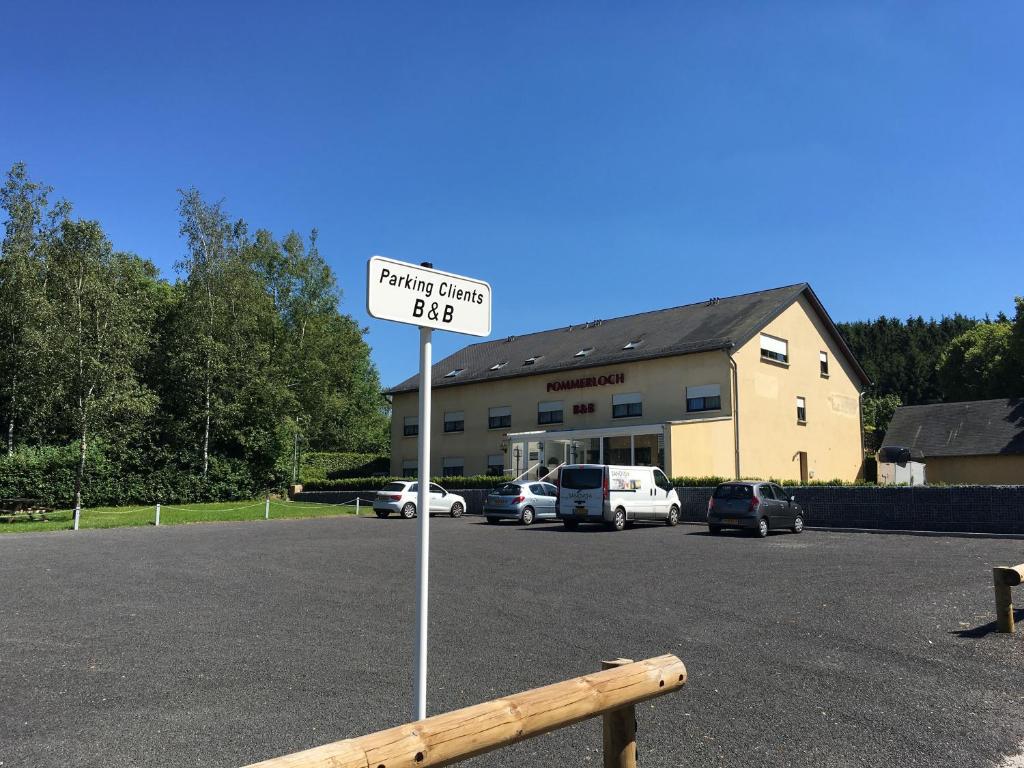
(464, 733)
(1004, 578)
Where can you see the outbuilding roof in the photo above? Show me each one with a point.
(975, 428)
(719, 323)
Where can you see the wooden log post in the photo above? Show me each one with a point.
(619, 729)
(1004, 578)
(465, 733)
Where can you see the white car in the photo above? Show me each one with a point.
(400, 497)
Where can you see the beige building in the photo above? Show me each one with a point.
(978, 442)
(759, 385)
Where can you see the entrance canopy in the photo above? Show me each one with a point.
(634, 445)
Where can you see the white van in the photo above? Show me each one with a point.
(615, 496)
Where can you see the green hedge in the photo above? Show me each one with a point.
(481, 482)
(116, 476)
(336, 465)
(490, 481)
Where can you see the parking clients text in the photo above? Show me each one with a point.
(432, 310)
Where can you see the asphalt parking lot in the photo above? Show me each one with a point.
(223, 644)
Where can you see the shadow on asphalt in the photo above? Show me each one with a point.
(986, 629)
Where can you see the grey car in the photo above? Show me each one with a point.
(523, 501)
(755, 506)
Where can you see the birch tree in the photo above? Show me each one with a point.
(29, 229)
(99, 328)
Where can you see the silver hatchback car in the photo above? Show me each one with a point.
(401, 496)
(523, 501)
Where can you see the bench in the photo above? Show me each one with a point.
(11, 509)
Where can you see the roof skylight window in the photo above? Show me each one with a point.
(634, 344)
(496, 366)
(532, 360)
(452, 374)
(584, 352)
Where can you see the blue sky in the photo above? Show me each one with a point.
(588, 159)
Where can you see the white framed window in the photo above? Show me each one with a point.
(453, 373)
(410, 468)
(550, 412)
(499, 365)
(496, 464)
(411, 426)
(823, 358)
(499, 418)
(627, 405)
(584, 352)
(705, 398)
(775, 349)
(454, 421)
(801, 410)
(453, 466)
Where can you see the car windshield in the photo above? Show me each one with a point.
(508, 489)
(582, 478)
(734, 491)
(394, 487)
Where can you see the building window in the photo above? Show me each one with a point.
(453, 466)
(584, 352)
(550, 412)
(801, 410)
(411, 427)
(532, 360)
(706, 398)
(410, 468)
(627, 406)
(823, 357)
(454, 421)
(498, 418)
(496, 464)
(774, 349)
(453, 373)
(633, 344)
(498, 366)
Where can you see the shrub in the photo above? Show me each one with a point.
(474, 482)
(336, 465)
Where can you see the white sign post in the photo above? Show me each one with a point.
(428, 298)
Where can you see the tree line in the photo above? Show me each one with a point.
(918, 361)
(133, 387)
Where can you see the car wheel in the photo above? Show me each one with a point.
(714, 530)
(409, 511)
(382, 513)
(456, 510)
(571, 524)
(762, 528)
(798, 524)
(527, 515)
(618, 522)
(673, 516)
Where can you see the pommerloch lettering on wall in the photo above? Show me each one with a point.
(587, 381)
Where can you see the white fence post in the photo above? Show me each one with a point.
(157, 521)
(78, 512)
(357, 506)
(266, 513)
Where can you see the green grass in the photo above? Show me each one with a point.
(177, 514)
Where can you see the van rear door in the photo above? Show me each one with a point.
(582, 492)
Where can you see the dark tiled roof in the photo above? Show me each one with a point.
(662, 333)
(976, 428)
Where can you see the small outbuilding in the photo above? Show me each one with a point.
(977, 442)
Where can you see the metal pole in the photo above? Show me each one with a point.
(157, 521)
(423, 510)
(266, 513)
